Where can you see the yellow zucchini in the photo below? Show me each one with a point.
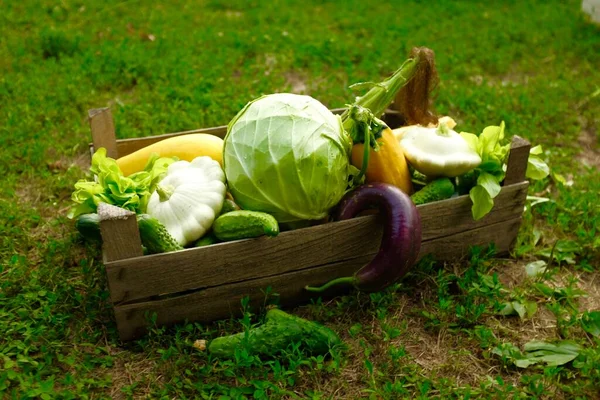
(184, 147)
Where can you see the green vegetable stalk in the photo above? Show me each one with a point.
(360, 118)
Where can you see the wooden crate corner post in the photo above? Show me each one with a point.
(103, 130)
(517, 161)
(120, 240)
(516, 174)
(120, 233)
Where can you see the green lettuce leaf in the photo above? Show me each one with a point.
(494, 155)
(109, 185)
(490, 183)
(482, 202)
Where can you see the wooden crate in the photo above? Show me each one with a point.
(207, 283)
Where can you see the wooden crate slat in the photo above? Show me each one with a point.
(139, 278)
(166, 273)
(223, 301)
(450, 216)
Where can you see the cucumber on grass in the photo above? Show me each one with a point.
(275, 336)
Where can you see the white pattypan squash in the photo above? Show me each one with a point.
(189, 198)
(437, 150)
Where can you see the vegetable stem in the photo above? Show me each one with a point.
(164, 192)
(443, 129)
(367, 152)
(346, 279)
(382, 94)
(360, 119)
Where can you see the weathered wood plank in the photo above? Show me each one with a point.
(135, 279)
(120, 234)
(223, 301)
(451, 216)
(517, 161)
(103, 130)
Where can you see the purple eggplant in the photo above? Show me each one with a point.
(401, 240)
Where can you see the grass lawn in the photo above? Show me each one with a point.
(181, 65)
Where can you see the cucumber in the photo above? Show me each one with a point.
(88, 226)
(206, 240)
(244, 224)
(279, 331)
(155, 236)
(465, 182)
(438, 189)
(229, 206)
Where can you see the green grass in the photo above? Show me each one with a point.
(441, 333)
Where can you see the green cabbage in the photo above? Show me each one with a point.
(287, 155)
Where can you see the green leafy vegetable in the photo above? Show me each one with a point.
(112, 187)
(490, 173)
(491, 170)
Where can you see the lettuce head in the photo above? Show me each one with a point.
(287, 155)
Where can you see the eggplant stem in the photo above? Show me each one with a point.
(346, 279)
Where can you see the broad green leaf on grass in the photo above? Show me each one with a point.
(525, 309)
(590, 322)
(536, 150)
(536, 352)
(536, 167)
(369, 366)
(536, 268)
(482, 202)
(552, 354)
(563, 250)
(560, 179)
(537, 200)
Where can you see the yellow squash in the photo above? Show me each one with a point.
(387, 165)
(184, 147)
